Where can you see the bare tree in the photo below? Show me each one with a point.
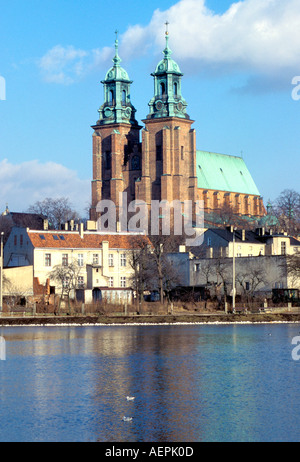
(249, 280)
(58, 211)
(287, 210)
(67, 278)
(291, 267)
(140, 263)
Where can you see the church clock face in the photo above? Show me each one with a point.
(107, 112)
(159, 105)
(127, 112)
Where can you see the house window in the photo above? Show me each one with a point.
(95, 259)
(182, 152)
(209, 241)
(66, 282)
(247, 285)
(123, 259)
(197, 267)
(21, 239)
(65, 259)
(123, 281)
(80, 259)
(15, 240)
(110, 282)
(283, 248)
(110, 259)
(47, 259)
(80, 282)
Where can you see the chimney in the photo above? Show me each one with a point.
(81, 230)
(45, 224)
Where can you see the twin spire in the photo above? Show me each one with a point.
(167, 100)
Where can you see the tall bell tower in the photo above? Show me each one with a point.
(116, 145)
(168, 140)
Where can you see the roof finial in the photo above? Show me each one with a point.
(117, 58)
(166, 24)
(167, 51)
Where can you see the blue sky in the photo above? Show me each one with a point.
(238, 61)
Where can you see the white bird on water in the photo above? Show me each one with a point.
(127, 419)
(130, 398)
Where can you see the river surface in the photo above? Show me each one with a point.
(191, 383)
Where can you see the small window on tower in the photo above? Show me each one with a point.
(175, 88)
(123, 97)
(162, 88)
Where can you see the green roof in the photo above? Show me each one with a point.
(224, 173)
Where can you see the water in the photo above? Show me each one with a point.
(191, 383)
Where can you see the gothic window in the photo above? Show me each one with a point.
(107, 160)
(158, 152)
(111, 97)
(135, 163)
(175, 88)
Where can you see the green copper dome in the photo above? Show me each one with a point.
(116, 72)
(117, 107)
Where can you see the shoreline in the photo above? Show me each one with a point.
(81, 320)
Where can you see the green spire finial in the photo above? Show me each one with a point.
(167, 51)
(117, 58)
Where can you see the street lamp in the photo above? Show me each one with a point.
(233, 272)
(1, 273)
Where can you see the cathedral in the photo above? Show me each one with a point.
(160, 160)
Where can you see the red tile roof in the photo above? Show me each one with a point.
(72, 240)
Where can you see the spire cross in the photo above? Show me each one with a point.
(166, 24)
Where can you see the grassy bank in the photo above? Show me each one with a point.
(149, 319)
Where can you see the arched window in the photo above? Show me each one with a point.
(123, 97)
(162, 89)
(175, 86)
(111, 97)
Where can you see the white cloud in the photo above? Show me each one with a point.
(65, 65)
(25, 183)
(253, 35)
(260, 37)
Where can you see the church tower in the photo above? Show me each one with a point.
(168, 141)
(116, 146)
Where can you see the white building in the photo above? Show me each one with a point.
(102, 259)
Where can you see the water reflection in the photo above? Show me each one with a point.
(191, 383)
